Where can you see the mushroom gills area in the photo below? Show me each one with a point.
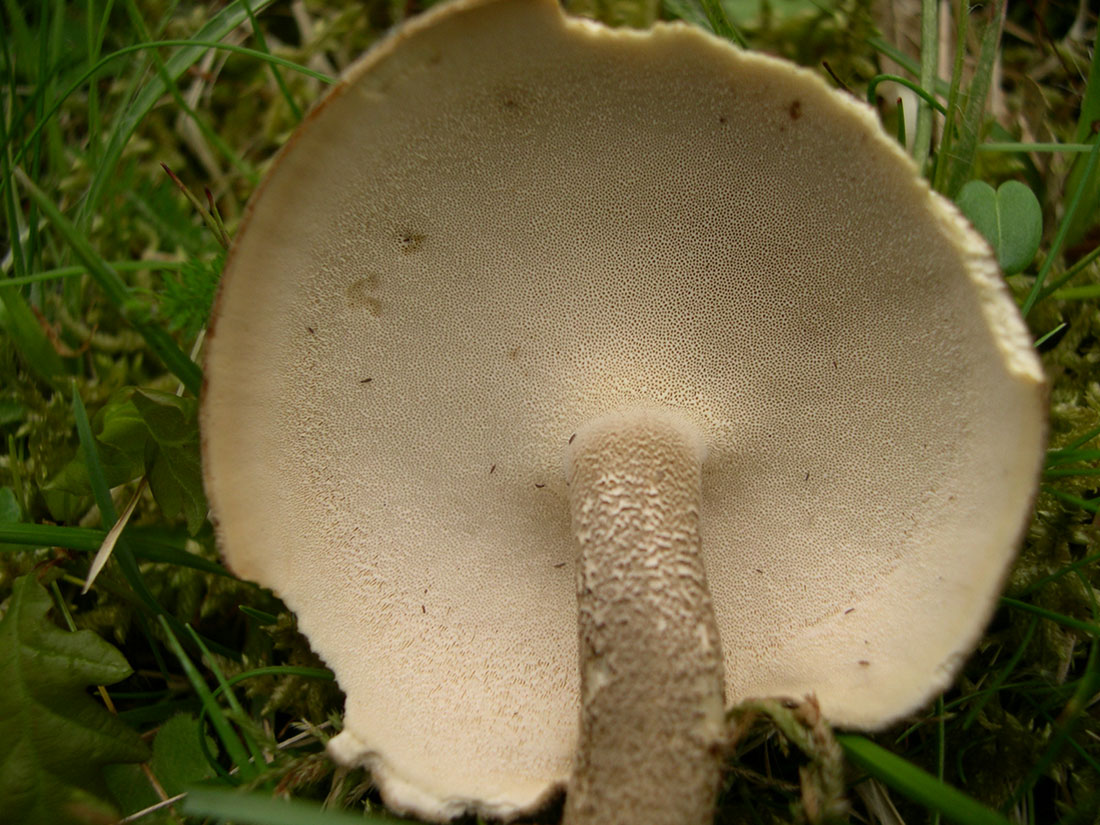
(652, 686)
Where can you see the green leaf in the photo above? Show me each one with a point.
(133, 792)
(57, 739)
(173, 463)
(1010, 218)
(11, 513)
(151, 432)
(120, 426)
(18, 321)
(73, 478)
(11, 411)
(120, 438)
(171, 419)
(178, 760)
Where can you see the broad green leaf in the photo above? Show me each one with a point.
(118, 468)
(178, 760)
(176, 481)
(171, 419)
(57, 739)
(172, 458)
(120, 436)
(146, 432)
(18, 321)
(132, 791)
(1010, 218)
(11, 411)
(119, 425)
(11, 513)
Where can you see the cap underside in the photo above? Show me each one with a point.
(508, 224)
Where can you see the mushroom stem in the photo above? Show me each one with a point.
(652, 688)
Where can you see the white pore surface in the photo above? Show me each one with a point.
(506, 224)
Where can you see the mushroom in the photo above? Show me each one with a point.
(535, 319)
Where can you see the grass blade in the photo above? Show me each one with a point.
(226, 688)
(261, 616)
(1066, 724)
(1088, 180)
(906, 62)
(96, 477)
(118, 266)
(1063, 231)
(261, 41)
(111, 539)
(1088, 628)
(232, 744)
(157, 44)
(915, 88)
(945, 151)
(48, 535)
(145, 543)
(276, 670)
(1001, 677)
(1085, 504)
(159, 341)
(225, 805)
(1057, 574)
(108, 515)
(917, 784)
(18, 319)
(1046, 336)
(219, 26)
(210, 134)
(964, 141)
(929, 57)
(999, 146)
(720, 23)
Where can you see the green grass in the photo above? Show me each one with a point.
(107, 271)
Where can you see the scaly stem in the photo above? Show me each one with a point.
(652, 705)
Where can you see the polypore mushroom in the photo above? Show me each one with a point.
(531, 315)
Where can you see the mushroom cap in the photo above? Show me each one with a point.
(505, 223)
